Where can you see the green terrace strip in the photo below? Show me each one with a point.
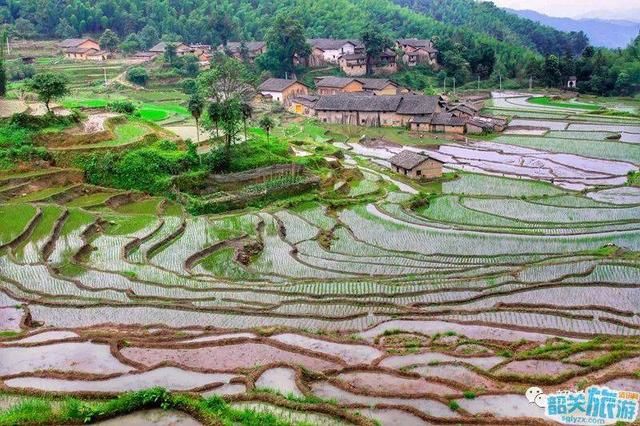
(210, 411)
(546, 101)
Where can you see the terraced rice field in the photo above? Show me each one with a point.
(522, 271)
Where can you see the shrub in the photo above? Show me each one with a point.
(122, 107)
(148, 169)
(138, 75)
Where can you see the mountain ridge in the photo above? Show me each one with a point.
(611, 33)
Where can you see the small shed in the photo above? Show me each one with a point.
(445, 122)
(416, 165)
(572, 82)
(420, 124)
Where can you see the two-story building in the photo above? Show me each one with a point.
(418, 51)
(282, 90)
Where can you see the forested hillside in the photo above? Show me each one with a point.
(475, 39)
(486, 18)
(200, 20)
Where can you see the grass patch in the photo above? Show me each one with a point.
(125, 225)
(15, 218)
(546, 101)
(146, 206)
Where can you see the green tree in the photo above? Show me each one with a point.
(230, 118)
(170, 54)
(3, 66)
(131, 44)
(552, 71)
(138, 75)
(149, 36)
(109, 40)
(214, 112)
(65, 30)
(190, 66)
(49, 86)
(375, 42)
(266, 123)
(285, 41)
(227, 77)
(23, 28)
(196, 107)
(224, 27)
(246, 115)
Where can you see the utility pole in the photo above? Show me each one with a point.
(478, 82)
(530, 83)
(444, 87)
(454, 86)
(104, 70)
(501, 82)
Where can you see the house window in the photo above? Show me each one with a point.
(418, 172)
(405, 171)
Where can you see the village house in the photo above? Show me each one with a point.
(326, 51)
(82, 43)
(181, 48)
(416, 51)
(85, 54)
(377, 86)
(364, 109)
(304, 105)
(144, 56)
(282, 90)
(481, 124)
(464, 110)
(85, 49)
(416, 165)
(355, 65)
(253, 49)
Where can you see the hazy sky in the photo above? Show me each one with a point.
(578, 8)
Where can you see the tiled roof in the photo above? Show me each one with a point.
(276, 85)
(408, 159)
(358, 102)
(418, 104)
(252, 46)
(447, 119)
(73, 42)
(331, 44)
(306, 100)
(402, 104)
(336, 81)
(162, 46)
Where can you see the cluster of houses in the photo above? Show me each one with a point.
(349, 55)
(378, 102)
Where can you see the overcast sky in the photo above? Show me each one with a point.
(578, 8)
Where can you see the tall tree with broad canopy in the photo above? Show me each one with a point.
(109, 40)
(227, 78)
(375, 42)
(49, 86)
(286, 41)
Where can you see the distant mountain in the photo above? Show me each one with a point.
(601, 32)
(606, 14)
